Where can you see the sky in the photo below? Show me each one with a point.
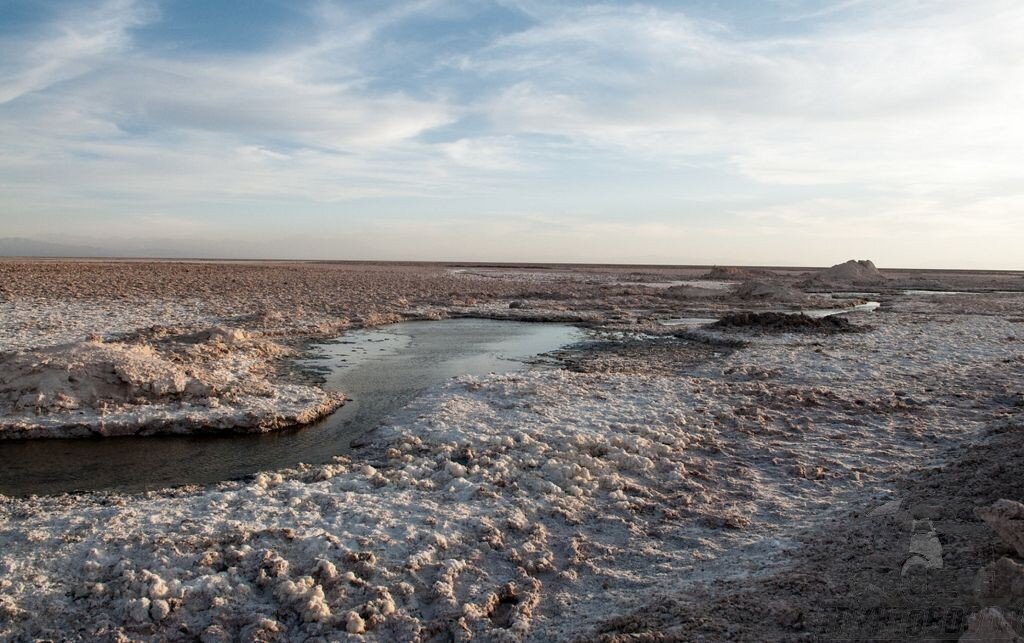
(746, 132)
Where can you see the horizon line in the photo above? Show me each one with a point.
(464, 263)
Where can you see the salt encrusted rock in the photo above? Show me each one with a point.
(261, 630)
(354, 624)
(83, 375)
(1003, 581)
(226, 335)
(992, 625)
(210, 381)
(1006, 518)
(137, 609)
(306, 597)
(159, 609)
(215, 634)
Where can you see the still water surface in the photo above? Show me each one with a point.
(381, 370)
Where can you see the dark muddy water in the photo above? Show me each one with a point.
(381, 370)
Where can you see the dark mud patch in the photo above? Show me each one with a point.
(786, 323)
(640, 354)
(714, 341)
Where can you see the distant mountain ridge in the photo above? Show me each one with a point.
(25, 247)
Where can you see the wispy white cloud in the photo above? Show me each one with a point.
(70, 47)
(927, 102)
(872, 116)
(828, 9)
(138, 123)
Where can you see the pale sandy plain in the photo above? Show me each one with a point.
(665, 481)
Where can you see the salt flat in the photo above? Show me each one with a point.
(657, 473)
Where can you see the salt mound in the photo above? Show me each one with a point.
(210, 381)
(225, 335)
(992, 624)
(767, 291)
(89, 374)
(863, 271)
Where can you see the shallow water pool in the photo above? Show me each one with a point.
(380, 369)
(818, 313)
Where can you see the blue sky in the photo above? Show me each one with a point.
(787, 132)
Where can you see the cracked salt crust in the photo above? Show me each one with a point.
(529, 505)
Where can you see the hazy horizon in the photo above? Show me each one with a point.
(56, 251)
(785, 132)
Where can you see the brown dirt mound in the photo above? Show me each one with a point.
(863, 271)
